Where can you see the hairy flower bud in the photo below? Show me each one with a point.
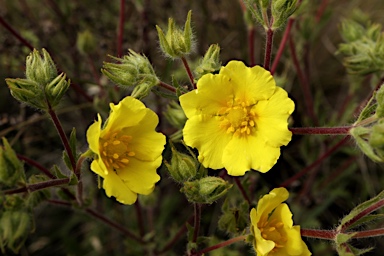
(183, 167)
(175, 115)
(210, 62)
(42, 88)
(281, 10)
(85, 43)
(132, 70)
(176, 43)
(205, 190)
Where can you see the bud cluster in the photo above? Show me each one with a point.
(42, 88)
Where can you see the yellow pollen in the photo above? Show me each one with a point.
(271, 229)
(279, 224)
(264, 236)
(115, 150)
(237, 118)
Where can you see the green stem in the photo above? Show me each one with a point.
(37, 186)
(63, 138)
(344, 130)
(190, 75)
(221, 245)
(320, 234)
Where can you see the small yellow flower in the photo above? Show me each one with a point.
(272, 227)
(237, 119)
(128, 150)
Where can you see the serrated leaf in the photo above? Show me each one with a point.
(164, 94)
(73, 144)
(366, 219)
(73, 180)
(57, 172)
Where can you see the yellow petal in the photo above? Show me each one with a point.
(98, 167)
(128, 112)
(213, 93)
(269, 202)
(146, 142)
(253, 83)
(245, 153)
(114, 186)
(140, 176)
(204, 133)
(93, 135)
(272, 118)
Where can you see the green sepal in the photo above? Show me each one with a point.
(56, 89)
(255, 9)
(40, 69)
(352, 251)
(28, 92)
(360, 134)
(342, 238)
(281, 10)
(359, 209)
(380, 102)
(366, 220)
(209, 63)
(67, 161)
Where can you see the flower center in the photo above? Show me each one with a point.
(237, 118)
(273, 230)
(115, 152)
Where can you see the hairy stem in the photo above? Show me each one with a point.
(268, 49)
(15, 33)
(320, 234)
(321, 130)
(221, 245)
(167, 86)
(242, 190)
(189, 72)
(37, 186)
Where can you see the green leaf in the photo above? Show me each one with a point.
(73, 144)
(57, 172)
(363, 208)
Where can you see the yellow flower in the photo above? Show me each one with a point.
(128, 150)
(237, 119)
(272, 227)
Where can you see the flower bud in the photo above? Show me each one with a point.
(85, 43)
(15, 227)
(11, 168)
(176, 43)
(210, 62)
(183, 167)
(41, 70)
(132, 70)
(281, 10)
(42, 88)
(367, 143)
(256, 8)
(206, 190)
(175, 115)
(380, 102)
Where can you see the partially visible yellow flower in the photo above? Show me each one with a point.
(128, 150)
(272, 227)
(237, 119)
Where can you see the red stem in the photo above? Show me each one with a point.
(282, 45)
(190, 75)
(321, 130)
(303, 82)
(63, 138)
(37, 186)
(139, 215)
(321, 10)
(37, 165)
(121, 29)
(369, 233)
(315, 163)
(221, 245)
(320, 234)
(268, 49)
(251, 45)
(363, 213)
(15, 33)
(242, 190)
(167, 86)
(196, 225)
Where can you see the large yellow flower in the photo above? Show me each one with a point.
(237, 119)
(272, 227)
(128, 150)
